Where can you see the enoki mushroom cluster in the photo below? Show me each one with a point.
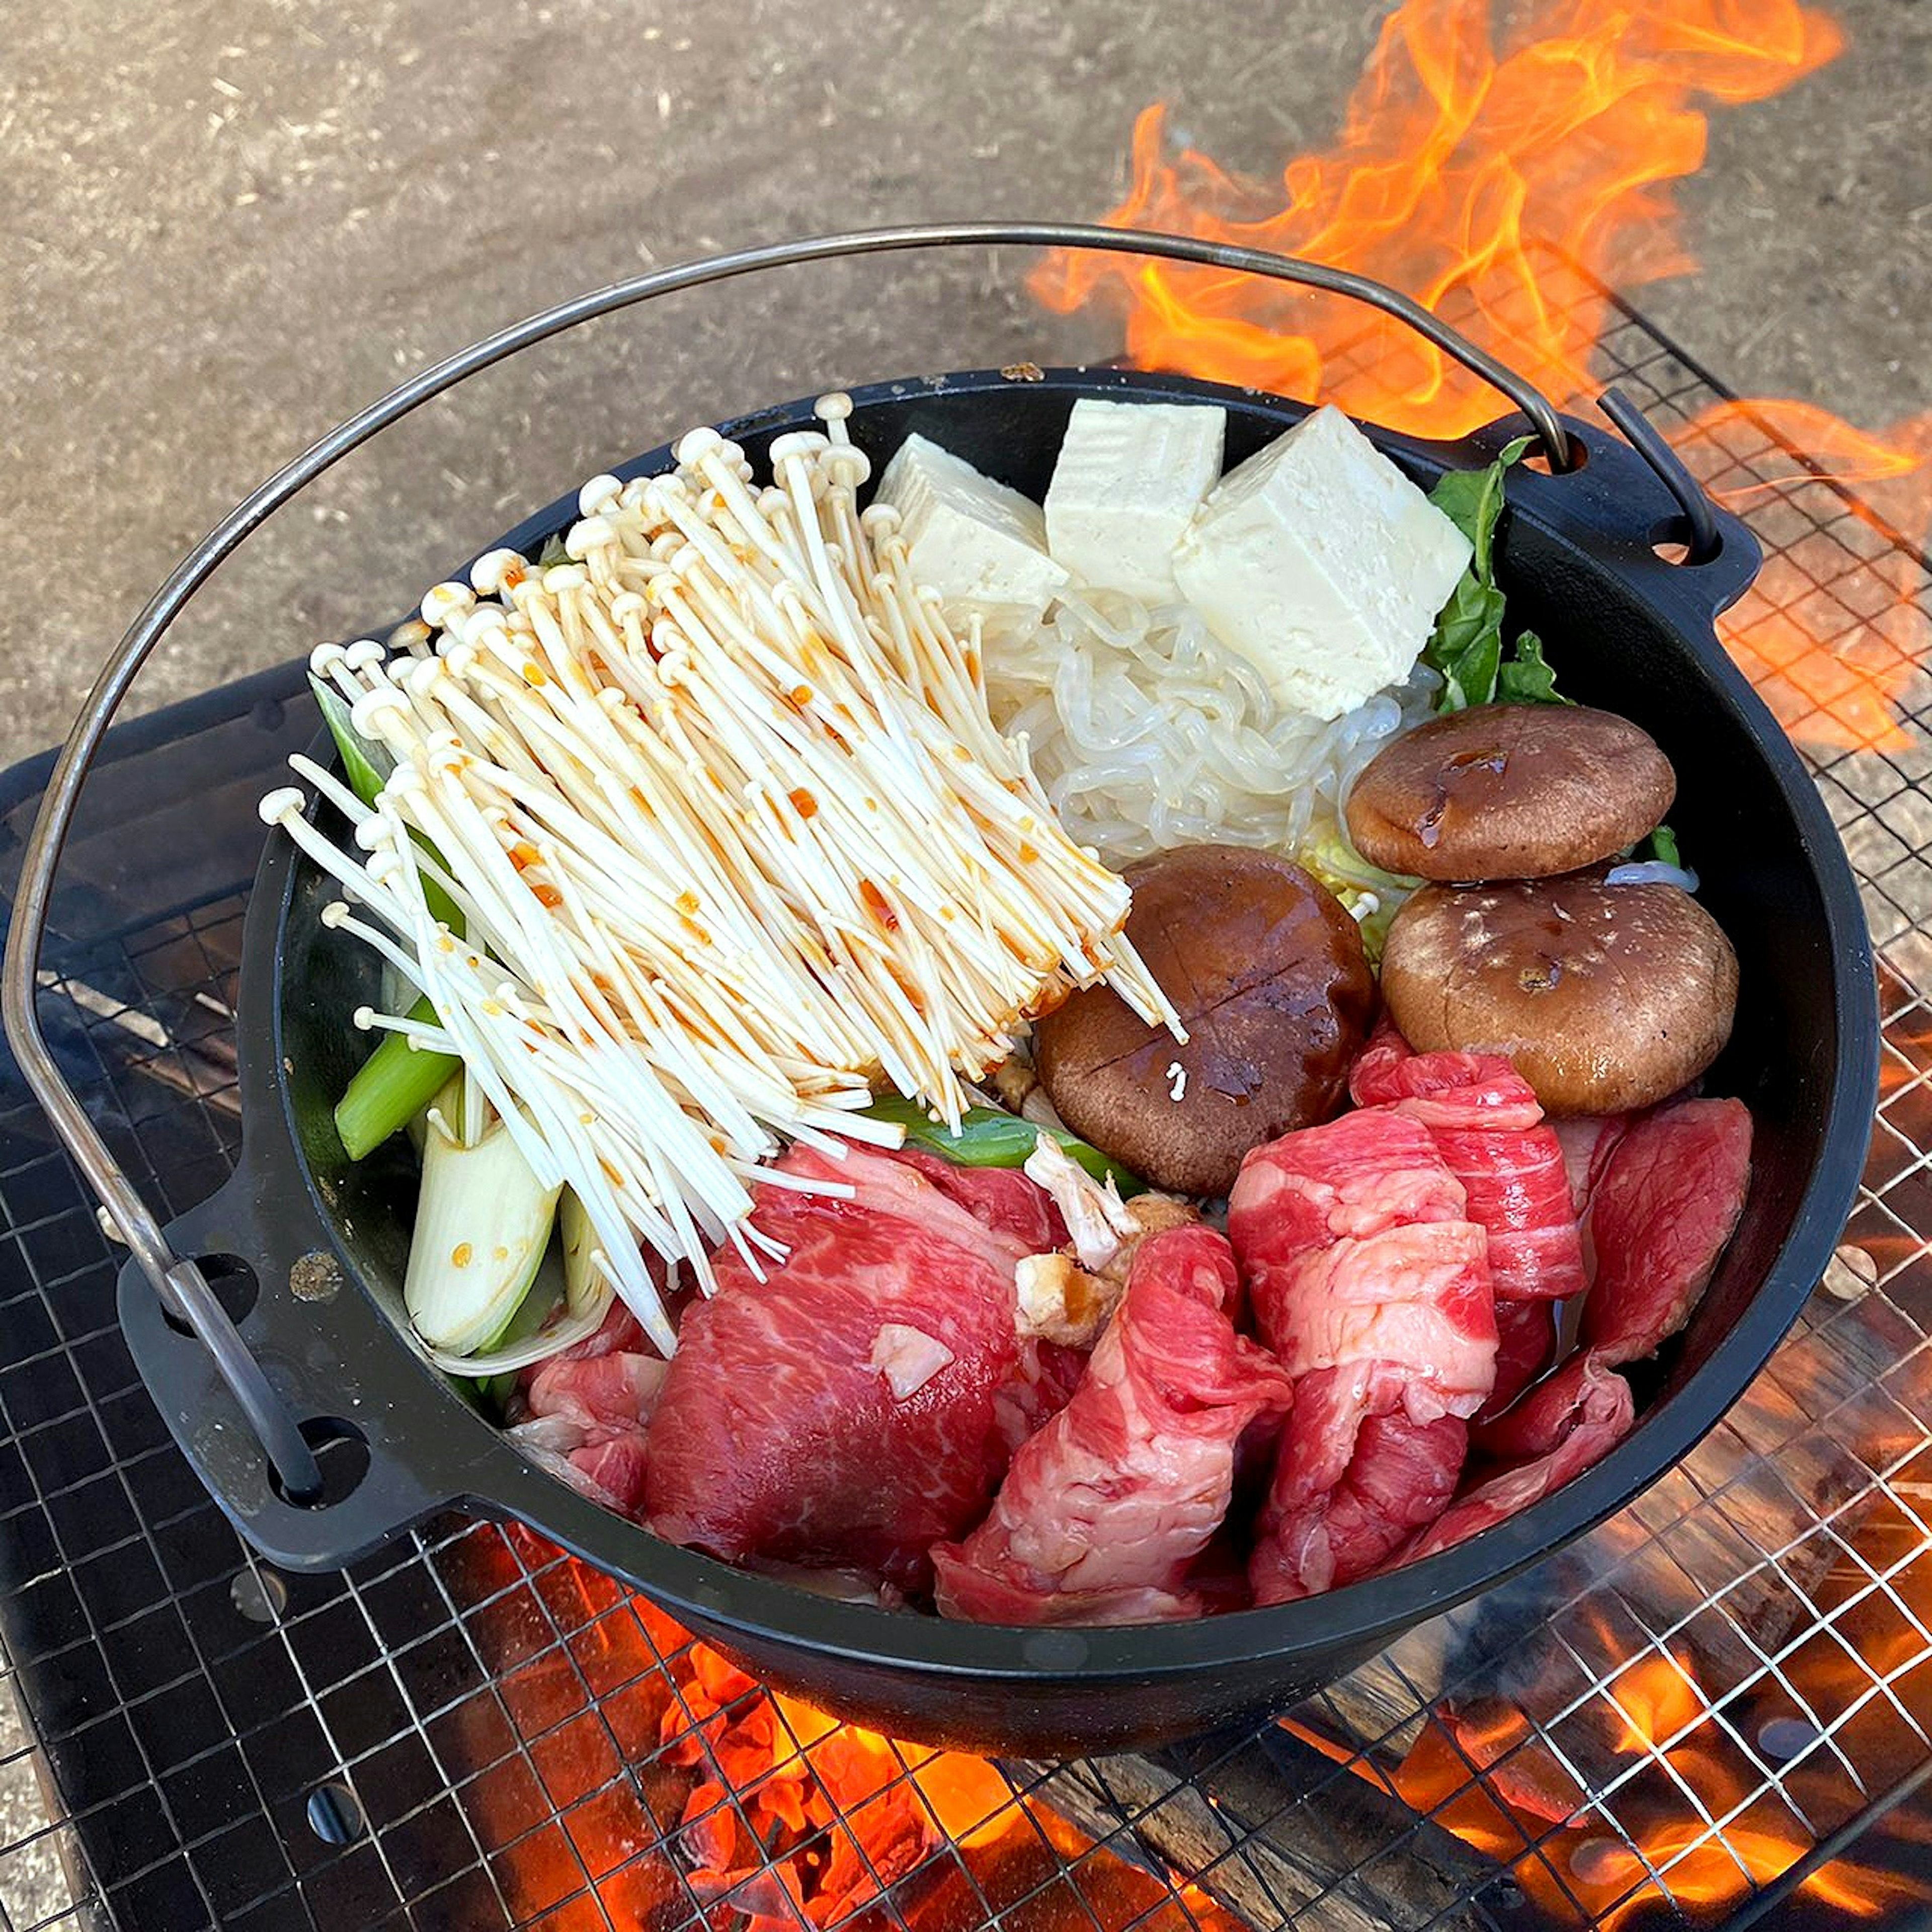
(731, 833)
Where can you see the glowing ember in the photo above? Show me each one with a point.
(776, 1817)
(806, 1819)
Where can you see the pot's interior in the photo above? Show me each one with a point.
(1611, 644)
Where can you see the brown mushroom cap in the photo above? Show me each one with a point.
(1266, 970)
(1510, 791)
(1605, 997)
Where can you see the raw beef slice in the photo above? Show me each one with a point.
(1105, 1508)
(1667, 1203)
(1570, 1424)
(1490, 1130)
(1371, 1285)
(841, 1412)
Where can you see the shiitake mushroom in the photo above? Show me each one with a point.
(1605, 997)
(1266, 969)
(1510, 791)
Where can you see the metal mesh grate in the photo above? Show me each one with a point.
(472, 1729)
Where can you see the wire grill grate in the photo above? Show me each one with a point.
(471, 1729)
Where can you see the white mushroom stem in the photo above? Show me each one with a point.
(733, 836)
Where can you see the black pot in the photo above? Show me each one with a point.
(327, 1242)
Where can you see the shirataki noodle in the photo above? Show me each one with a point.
(1147, 734)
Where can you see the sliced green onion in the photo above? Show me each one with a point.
(391, 1088)
(483, 1222)
(366, 766)
(989, 1137)
(397, 1081)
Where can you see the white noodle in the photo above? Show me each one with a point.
(1147, 734)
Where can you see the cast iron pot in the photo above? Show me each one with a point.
(326, 1242)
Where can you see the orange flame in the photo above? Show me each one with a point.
(1460, 162)
(1834, 627)
(1660, 1700)
(1505, 182)
(1482, 1772)
(1479, 172)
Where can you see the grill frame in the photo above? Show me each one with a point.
(55, 1261)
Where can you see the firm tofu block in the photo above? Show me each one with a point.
(1322, 564)
(977, 543)
(1130, 477)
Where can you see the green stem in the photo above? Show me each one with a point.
(990, 1138)
(397, 1081)
(391, 1088)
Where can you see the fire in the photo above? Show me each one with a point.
(776, 1816)
(1506, 180)
(1833, 652)
(1462, 160)
(1479, 173)
(1568, 1857)
(1682, 1813)
(1660, 1700)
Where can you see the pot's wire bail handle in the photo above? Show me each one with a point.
(1643, 437)
(179, 1283)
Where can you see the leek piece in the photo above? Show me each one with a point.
(483, 1223)
(549, 1339)
(391, 1088)
(552, 1317)
(584, 1281)
(366, 765)
(397, 1081)
(989, 1137)
(541, 1307)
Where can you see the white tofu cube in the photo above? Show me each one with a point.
(1130, 478)
(977, 543)
(1322, 564)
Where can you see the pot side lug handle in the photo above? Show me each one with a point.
(316, 1339)
(1627, 499)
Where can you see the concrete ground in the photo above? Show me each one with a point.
(230, 226)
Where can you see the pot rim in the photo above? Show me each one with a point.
(765, 1609)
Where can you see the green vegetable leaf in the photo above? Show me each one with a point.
(989, 1137)
(1467, 646)
(1661, 845)
(1472, 499)
(365, 764)
(1472, 652)
(1527, 678)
